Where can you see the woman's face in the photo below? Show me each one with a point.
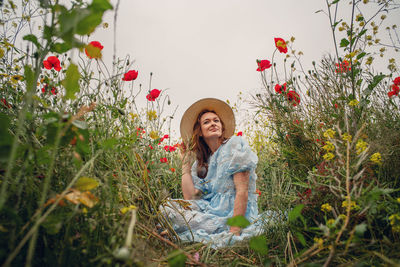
(210, 125)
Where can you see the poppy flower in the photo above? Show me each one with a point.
(54, 91)
(281, 45)
(164, 160)
(172, 169)
(263, 65)
(52, 62)
(280, 88)
(343, 67)
(258, 192)
(293, 97)
(396, 81)
(395, 88)
(93, 49)
(239, 134)
(130, 75)
(169, 148)
(5, 103)
(153, 94)
(392, 93)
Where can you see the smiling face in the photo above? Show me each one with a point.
(210, 125)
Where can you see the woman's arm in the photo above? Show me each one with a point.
(241, 181)
(188, 189)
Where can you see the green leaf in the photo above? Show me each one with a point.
(109, 143)
(361, 55)
(60, 47)
(101, 5)
(89, 23)
(362, 33)
(71, 82)
(239, 221)
(32, 38)
(301, 238)
(86, 183)
(80, 124)
(360, 229)
(335, 2)
(6, 138)
(176, 259)
(295, 212)
(259, 244)
(29, 78)
(344, 42)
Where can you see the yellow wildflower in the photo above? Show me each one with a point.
(133, 116)
(319, 241)
(16, 78)
(395, 222)
(84, 210)
(328, 156)
(151, 115)
(342, 217)
(126, 209)
(328, 147)
(329, 133)
(353, 102)
(326, 207)
(398, 199)
(330, 222)
(346, 137)
(353, 205)
(361, 146)
(369, 60)
(154, 135)
(376, 158)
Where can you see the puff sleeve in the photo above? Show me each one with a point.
(239, 156)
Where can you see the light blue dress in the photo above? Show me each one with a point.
(204, 219)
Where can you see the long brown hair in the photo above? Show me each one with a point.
(200, 147)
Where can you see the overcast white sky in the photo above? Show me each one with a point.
(209, 48)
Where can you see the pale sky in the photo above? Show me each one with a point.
(209, 48)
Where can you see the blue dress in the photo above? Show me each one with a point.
(204, 219)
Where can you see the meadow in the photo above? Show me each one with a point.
(85, 165)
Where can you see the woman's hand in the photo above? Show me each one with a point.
(235, 230)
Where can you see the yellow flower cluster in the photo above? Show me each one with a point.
(395, 222)
(326, 207)
(319, 241)
(16, 78)
(353, 102)
(151, 115)
(347, 137)
(328, 156)
(330, 133)
(126, 209)
(329, 147)
(330, 222)
(154, 135)
(353, 205)
(376, 158)
(342, 217)
(361, 146)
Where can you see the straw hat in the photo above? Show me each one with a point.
(222, 109)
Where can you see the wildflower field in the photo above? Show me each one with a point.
(87, 157)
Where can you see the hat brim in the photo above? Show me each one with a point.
(222, 109)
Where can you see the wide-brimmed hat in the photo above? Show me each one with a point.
(222, 109)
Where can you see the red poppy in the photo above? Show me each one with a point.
(153, 94)
(93, 49)
(169, 148)
(281, 45)
(52, 62)
(392, 93)
(130, 75)
(5, 103)
(258, 192)
(336, 105)
(44, 88)
(54, 91)
(151, 147)
(343, 67)
(293, 97)
(396, 81)
(164, 160)
(280, 88)
(239, 134)
(172, 169)
(395, 88)
(263, 65)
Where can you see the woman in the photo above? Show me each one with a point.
(220, 184)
